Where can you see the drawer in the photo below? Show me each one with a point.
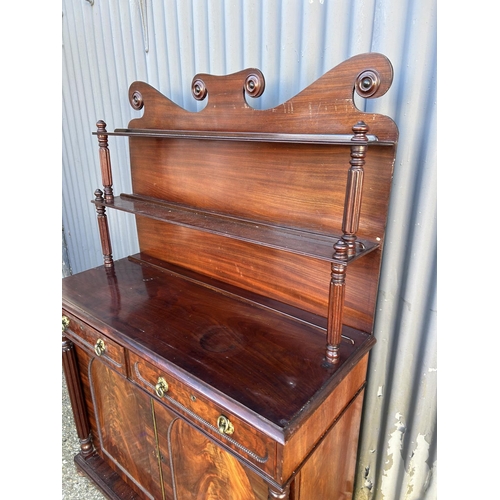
(94, 341)
(206, 414)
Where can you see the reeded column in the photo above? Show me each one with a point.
(336, 303)
(346, 246)
(105, 161)
(354, 189)
(70, 367)
(102, 222)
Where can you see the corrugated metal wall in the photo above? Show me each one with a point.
(109, 44)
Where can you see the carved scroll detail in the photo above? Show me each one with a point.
(136, 100)
(255, 84)
(199, 89)
(367, 83)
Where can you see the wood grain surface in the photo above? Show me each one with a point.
(252, 298)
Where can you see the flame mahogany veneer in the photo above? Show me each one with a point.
(227, 359)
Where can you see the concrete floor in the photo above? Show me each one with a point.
(74, 485)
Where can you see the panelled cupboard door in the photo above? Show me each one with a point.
(200, 469)
(125, 428)
(328, 473)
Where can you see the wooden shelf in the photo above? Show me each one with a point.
(296, 241)
(333, 139)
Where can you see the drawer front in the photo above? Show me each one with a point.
(94, 341)
(205, 414)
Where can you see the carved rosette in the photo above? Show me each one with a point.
(255, 84)
(199, 89)
(367, 83)
(136, 100)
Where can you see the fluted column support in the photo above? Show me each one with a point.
(102, 222)
(336, 302)
(105, 161)
(70, 368)
(354, 188)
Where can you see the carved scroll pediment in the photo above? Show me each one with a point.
(325, 107)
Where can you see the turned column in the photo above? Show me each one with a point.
(336, 302)
(70, 367)
(346, 246)
(102, 222)
(104, 159)
(354, 188)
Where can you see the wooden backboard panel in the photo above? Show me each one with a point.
(299, 184)
(293, 279)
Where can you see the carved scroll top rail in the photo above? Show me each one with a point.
(252, 79)
(324, 107)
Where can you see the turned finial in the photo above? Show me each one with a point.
(341, 250)
(98, 195)
(102, 134)
(360, 130)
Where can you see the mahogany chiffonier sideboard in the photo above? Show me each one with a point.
(227, 359)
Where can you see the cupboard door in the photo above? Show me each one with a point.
(202, 470)
(124, 418)
(329, 472)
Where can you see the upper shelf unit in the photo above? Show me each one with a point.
(300, 242)
(301, 185)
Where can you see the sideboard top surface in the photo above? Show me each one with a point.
(222, 342)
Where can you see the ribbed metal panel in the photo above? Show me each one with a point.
(109, 44)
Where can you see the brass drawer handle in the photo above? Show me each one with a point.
(161, 387)
(65, 323)
(224, 425)
(99, 347)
